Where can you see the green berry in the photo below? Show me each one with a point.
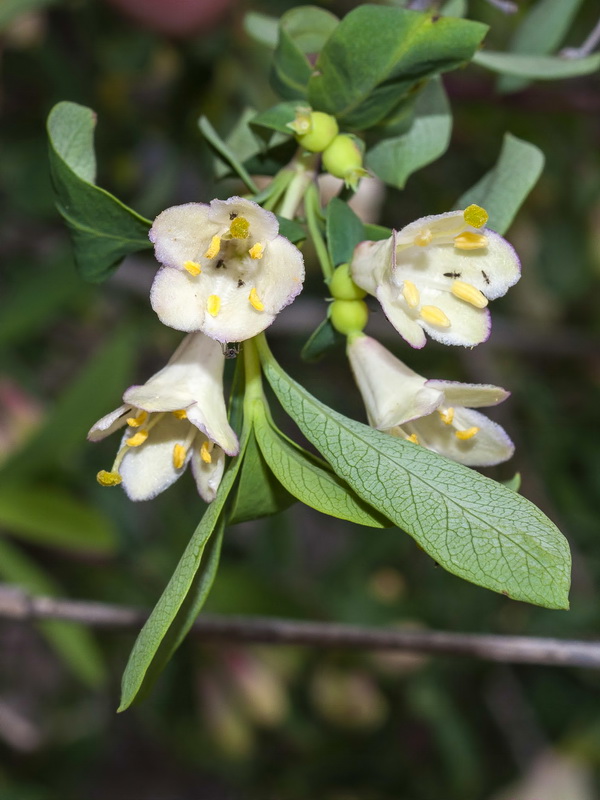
(342, 287)
(343, 158)
(323, 129)
(348, 316)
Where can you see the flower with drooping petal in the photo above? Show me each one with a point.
(433, 413)
(176, 418)
(437, 274)
(226, 270)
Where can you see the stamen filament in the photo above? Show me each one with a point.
(469, 433)
(179, 454)
(470, 294)
(137, 439)
(214, 247)
(139, 419)
(435, 316)
(470, 241)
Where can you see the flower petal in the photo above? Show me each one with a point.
(179, 299)
(396, 311)
(181, 233)
(109, 423)
(263, 224)
(469, 395)
(393, 394)
(369, 262)
(468, 325)
(207, 475)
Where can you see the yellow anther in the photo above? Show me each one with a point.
(137, 439)
(205, 452)
(179, 454)
(255, 300)
(465, 291)
(423, 238)
(214, 247)
(475, 216)
(139, 419)
(447, 416)
(193, 268)
(213, 304)
(470, 241)
(239, 228)
(411, 294)
(105, 478)
(468, 434)
(434, 316)
(413, 438)
(257, 250)
(179, 414)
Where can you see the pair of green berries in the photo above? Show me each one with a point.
(342, 155)
(348, 313)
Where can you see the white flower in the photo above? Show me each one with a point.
(435, 414)
(437, 275)
(226, 271)
(176, 418)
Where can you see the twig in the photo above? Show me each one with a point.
(16, 604)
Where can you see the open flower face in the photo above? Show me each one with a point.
(435, 414)
(226, 271)
(437, 274)
(177, 418)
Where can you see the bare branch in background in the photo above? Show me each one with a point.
(16, 604)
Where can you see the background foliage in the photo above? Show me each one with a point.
(239, 721)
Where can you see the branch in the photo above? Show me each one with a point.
(16, 604)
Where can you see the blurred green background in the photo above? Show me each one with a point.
(231, 721)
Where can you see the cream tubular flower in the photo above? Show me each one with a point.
(436, 276)
(226, 271)
(176, 418)
(435, 414)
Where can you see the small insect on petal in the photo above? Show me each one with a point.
(192, 267)
(411, 294)
(465, 291)
(255, 300)
(106, 478)
(213, 304)
(214, 247)
(475, 216)
(179, 454)
(468, 434)
(470, 241)
(435, 316)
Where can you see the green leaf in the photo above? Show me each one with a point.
(541, 68)
(474, 527)
(92, 394)
(377, 54)
(376, 233)
(258, 492)
(514, 484)
(262, 28)
(242, 141)
(52, 517)
(344, 231)
(321, 340)
(72, 642)
(394, 160)
(103, 230)
(182, 599)
(504, 188)
(310, 479)
(541, 32)
(277, 117)
(291, 230)
(454, 8)
(226, 153)
(302, 32)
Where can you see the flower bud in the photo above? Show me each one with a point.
(322, 130)
(343, 158)
(342, 287)
(348, 316)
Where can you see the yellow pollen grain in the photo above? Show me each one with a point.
(239, 228)
(213, 304)
(179, 454)
(137, 439)
(435, 316)
(193, 268)
(423, 238)
(465, 291)
(255, 300)
(257, 250)
(413, 438)
(468, 434)
(106, 478)
(475, 216)
(446, 416)
(214, 247)
(470, 241)
(411, 294)
(205, 452)
(179, 414)
(139, 419)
